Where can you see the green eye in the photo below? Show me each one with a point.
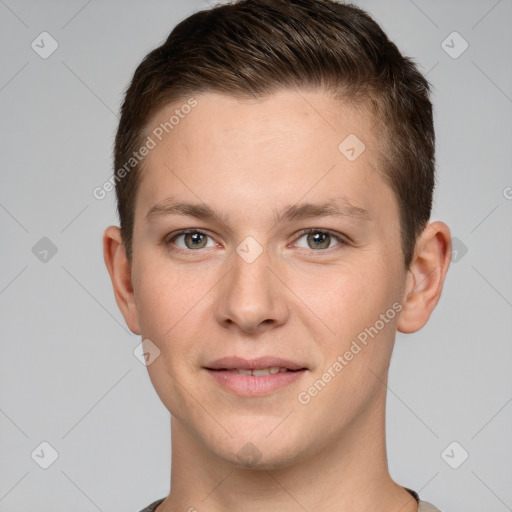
(314, 239)
(317, 239)
(192, 240)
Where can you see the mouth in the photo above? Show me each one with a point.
(255, 377)
(260, 363)
(260, 372)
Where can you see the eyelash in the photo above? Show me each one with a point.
(169, 240)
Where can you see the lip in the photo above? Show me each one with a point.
(233, 363)
(252, 385)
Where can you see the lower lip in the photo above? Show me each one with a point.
(251, 385)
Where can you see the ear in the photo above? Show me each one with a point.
(425, 277)
(119, 269)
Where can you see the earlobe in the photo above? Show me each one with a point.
(119, 269)
(425, 277)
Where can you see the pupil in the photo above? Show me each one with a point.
(320, 238)
(196, 238)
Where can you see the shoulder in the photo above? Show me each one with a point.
(152, 507)
(424, 506)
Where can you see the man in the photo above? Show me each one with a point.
(274, 175)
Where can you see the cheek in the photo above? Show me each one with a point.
(173, 308)
(164, 296)
(165, 306)
(359, 309)
(353, 298)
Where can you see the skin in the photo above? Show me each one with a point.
(301, 299)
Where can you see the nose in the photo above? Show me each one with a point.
(251, 297)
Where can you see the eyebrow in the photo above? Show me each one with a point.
(334, 208)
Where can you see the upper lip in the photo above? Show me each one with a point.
(239, 363)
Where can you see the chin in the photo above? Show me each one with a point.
(259, 448)
(258, 458)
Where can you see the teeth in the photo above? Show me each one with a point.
(260, 373)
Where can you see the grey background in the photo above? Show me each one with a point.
(68, 375)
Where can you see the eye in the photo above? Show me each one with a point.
(192, 239)
(319, 239)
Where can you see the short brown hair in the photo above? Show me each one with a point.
(256, 47)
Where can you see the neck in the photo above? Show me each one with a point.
(348, 475)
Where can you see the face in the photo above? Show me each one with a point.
(268, 271)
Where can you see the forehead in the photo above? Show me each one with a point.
(288, 144)
(281, 119)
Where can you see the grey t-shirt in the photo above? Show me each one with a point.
(423, 506)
